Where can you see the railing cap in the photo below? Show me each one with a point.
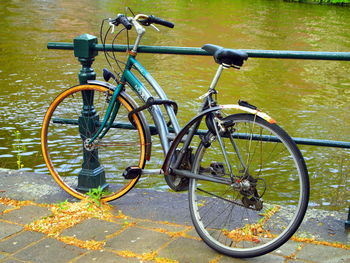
(84, 46)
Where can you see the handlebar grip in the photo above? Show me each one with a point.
(121, 19)
(159, 21)
(125, 22)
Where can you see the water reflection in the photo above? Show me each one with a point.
(308, 98)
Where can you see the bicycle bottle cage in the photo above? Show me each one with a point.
(150, 102)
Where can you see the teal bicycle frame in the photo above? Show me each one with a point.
(144, 94)
(169, 142)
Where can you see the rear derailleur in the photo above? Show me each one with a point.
(250, 196)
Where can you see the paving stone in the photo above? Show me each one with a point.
(3, 255)
(287, 249)
(7, 229)
(323, 254)
(268, 258)
(138, 240)
(11, 260)
(49, 250)
(225, 259)
(105, 257)
(302, 261)
(26, 214)
(154, 224)
(19, 241)
(22, 185)
(193, 233)
(4, 207)
(155, 205)
(188, 250)
(92, 229)
(122, 221)
(277, 255)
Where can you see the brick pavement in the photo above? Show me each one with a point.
(130, 234)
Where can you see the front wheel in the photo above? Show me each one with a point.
(268, 196)
(77, 166)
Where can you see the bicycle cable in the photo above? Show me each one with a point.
(128, 8)
(113, 52)
(103, 41)
(103, 38)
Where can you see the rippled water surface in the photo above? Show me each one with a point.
(308, 98)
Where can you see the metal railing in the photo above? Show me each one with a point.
(86, 48)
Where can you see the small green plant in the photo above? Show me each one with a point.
(63, 205)
(96, 194)
(19, 148)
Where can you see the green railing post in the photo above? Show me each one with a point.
(92, 173)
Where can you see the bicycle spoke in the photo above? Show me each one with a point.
(235, 220)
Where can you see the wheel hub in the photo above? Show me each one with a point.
(250, 197)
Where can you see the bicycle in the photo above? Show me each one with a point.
(246, 178)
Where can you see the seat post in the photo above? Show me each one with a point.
(216, 77)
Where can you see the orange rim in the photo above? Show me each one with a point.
(46, 154)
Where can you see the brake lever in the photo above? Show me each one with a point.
(142, 22)
(111, 25)
(156, 28)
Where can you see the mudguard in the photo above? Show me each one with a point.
(139, 114)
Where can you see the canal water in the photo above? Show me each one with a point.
(308, 98)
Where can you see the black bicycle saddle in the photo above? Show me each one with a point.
(231, 57)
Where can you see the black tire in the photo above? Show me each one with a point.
(268, 198)
(63, 143)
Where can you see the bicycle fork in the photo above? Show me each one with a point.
(112, 111)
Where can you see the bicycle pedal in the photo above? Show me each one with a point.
(132, 172)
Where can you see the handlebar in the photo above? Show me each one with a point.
(143, 19)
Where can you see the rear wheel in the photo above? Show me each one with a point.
(268, 197)
(65, 135)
